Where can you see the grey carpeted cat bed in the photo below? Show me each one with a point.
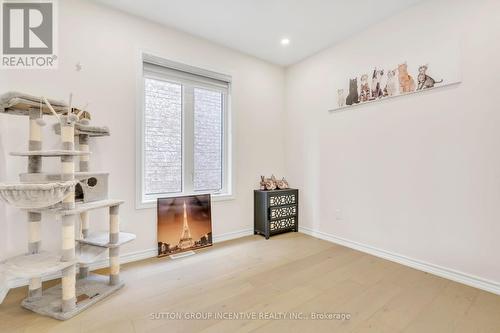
(30, 196)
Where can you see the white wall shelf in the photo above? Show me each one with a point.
(349, 107)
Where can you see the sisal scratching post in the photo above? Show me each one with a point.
(114, 263)
(68, 254)
(68, 283)
(35, 288)
(34, 166)
(68, 238)
(35, 141)
(84, 217)
(68, 221)
(34, 226)
(34, 219)
(114, 224)
(67, 162)
(84, 220)
(83, 271)
(114, 253)
(84, 146)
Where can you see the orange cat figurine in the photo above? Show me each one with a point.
(406, 82)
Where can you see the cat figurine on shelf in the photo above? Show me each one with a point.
(424, 80)
(282, 183)
(340, 98)
(262, 183)
(376, 83)
(271, 183)
(365, 94)
(391, 85)
(406, 82)
(353, 97)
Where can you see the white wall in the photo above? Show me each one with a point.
(418, 175)
(107, 43)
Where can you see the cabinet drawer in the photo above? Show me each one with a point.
(281, 224)
(282, 199)
(280, 212)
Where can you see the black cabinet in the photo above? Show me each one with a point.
(276, 211)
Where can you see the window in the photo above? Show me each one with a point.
(184, 131)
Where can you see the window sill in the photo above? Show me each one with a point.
(148, 204)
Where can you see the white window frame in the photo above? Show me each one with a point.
(227, 193)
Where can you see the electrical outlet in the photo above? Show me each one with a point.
(338, 214)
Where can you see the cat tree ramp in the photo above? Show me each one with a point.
(66, 198)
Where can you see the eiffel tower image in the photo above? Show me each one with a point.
(186, 240)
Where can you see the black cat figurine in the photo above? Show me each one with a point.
(353, 97)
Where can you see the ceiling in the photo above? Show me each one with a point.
(256, 27)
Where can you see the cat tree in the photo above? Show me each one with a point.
(66, 197)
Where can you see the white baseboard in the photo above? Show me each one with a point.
(232, 235)
(451, 274)
(136, 256)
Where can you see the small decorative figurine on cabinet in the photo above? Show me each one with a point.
(282, 184)
(272, 183)
(262, 183)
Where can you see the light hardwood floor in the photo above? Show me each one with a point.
(289, 273)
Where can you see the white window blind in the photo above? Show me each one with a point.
(162, 136)
(208, 129)
(185, 144)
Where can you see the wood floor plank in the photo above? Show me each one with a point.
(483, 316)
(330, 300)
(407, 304)
(445, 312)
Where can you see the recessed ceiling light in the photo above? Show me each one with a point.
(285, 41)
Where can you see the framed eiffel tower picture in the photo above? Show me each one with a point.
(184, 224)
